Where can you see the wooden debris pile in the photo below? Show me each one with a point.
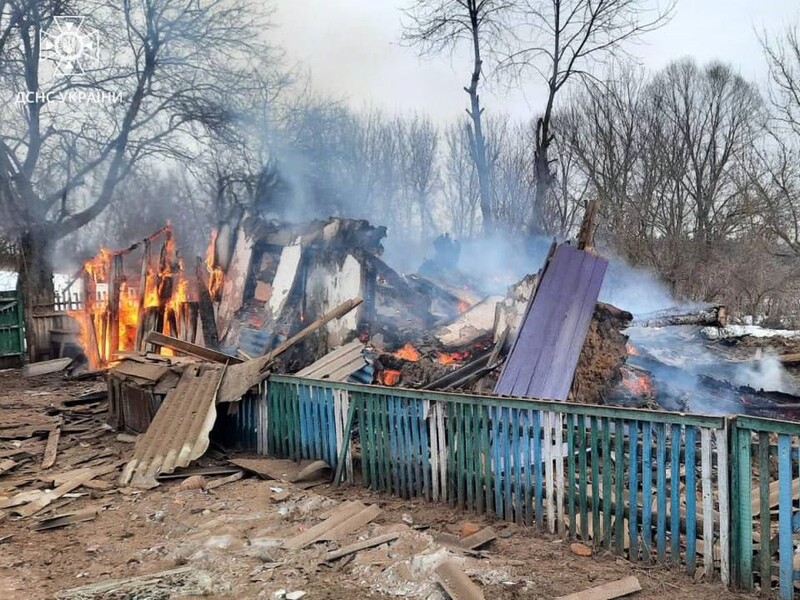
(49, 461)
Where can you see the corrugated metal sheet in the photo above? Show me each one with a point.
(179, 432)
(545, 354)
(338, 365)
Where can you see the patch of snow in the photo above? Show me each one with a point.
(735, 331)
(8, 281)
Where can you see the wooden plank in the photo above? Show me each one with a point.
(45, 367)
(6, 465)
(661, 492)
(764, 516)
(743, 508)
(311, 535)
(165, 341)
(675, 495)
(708, 500)
(619, 476)
(456, 583)
(633, 487)
(476, 540)
(46, 498)
(363, 545)
(724, 509)
(582, 479)
(212, 485)
(351, 524)
(607, 591)
(691, 501)
(548, 470)
(785, 528)
(62, 520)
(559, 458)
(240, 378)
(51, 450)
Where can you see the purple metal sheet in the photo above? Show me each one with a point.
(542, 362)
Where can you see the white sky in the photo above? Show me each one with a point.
(351, 49)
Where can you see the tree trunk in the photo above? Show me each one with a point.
(478, 146)
(541, 171)
(475, 131)
(35, 282)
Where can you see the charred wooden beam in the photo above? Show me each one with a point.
(178, 345)
(138, 345)
(712, 316)
(240, 378)
(206, 307)
(112, 308)
(466, 371)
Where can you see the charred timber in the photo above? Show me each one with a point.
(712, 316)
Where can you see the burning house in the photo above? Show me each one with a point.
(262, 281)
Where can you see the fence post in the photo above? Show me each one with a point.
(741, 509)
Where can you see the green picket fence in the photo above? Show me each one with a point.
(651, 486)
(766, 477)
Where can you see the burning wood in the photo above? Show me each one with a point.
(119, 310)
(408, 352)
(713, 316)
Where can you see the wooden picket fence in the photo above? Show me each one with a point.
(649, 486)
(766, 465)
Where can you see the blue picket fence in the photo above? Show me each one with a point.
(652, 486)
(721, 494)
(766, 477)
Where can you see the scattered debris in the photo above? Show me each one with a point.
(349, 362)
(456, 583)
(62, 520)
(363, 545)
(216, 483)
(184, 581)
(580, 549)
(46, 367)
(318, 469)
(478, 539)
(607, 591)
(346, 518)
(161, 340)
(51, 449)
(195, 482)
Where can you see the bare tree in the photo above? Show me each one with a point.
(485, 25)
(561, 40)
(460, 190)
(783, 56)
(168, 78)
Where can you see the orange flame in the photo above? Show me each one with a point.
(448, 358)
(631, 349)
(389, 377)
(95, 323)
(462, 307)
(638, 384)
(215, 274)
(408, 352)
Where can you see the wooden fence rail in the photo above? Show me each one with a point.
(651, 486)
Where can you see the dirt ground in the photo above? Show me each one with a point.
(230, 537)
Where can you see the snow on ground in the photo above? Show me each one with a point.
(735, 331)
(8, 281)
